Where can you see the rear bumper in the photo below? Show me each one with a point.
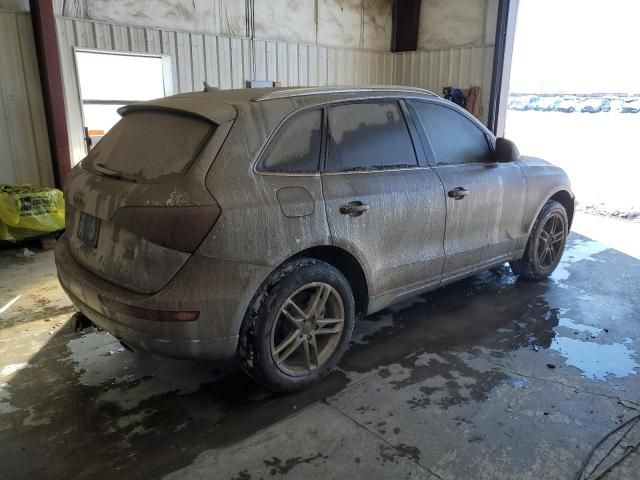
(219, 290)
(213, 348)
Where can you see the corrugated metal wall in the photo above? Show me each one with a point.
(24, 144)
(457, 67)
(337, 23)
(220, 60)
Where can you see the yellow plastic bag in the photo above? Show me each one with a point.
(26, 210)
(11, 234)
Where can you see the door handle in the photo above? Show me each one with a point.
(458, 193)
(354, 209)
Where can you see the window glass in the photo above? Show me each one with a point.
(369, 136)
(453, 137)
(146, 146)
(296, 147)
(118, 77)
(110, 80)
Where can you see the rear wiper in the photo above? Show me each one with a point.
(108, 172)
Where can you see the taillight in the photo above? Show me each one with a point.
(149, 314)
(178, 228)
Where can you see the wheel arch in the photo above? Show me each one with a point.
(562, 195)
(348, 265)
(566, 200)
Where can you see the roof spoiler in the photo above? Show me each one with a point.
(186, 104)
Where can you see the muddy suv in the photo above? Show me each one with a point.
(261, 223)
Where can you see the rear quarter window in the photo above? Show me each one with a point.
(296, 145)
(147, 146)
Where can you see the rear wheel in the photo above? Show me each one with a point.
(298, 327)
(546, 243)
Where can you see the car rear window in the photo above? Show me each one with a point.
(147, 146)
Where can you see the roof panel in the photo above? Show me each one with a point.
(279, 93)
(220, 105)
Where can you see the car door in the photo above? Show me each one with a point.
(382, 205)
(485, 200)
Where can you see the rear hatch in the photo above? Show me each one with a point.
(137, 205)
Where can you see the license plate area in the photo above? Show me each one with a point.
(88, 229)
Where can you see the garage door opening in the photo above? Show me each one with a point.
(108, 81)
(574, 97)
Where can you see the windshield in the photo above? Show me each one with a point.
(147, 146)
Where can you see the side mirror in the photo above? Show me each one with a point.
(506, 151)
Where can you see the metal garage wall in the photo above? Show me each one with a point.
(457, 67)
(220, 60)
(24, 144)
(339, 23)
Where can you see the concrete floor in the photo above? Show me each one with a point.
(490, 378)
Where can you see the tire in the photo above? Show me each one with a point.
(272, 320)
(538, 262)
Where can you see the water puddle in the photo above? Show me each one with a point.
(368, 326)
(97, 360)
(582, 347)
(596, 361)
(578, 250)
(5, 401)
(578, 327)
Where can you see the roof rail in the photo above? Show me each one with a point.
(304, 91)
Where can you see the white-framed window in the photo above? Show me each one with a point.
(109, 80)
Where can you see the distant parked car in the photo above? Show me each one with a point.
(533, 102)
(523, 103)
(630, 107)
(518, 103)
(567, 105)
(547, 104)
(595, 105)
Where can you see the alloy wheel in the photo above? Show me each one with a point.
(551, 241)
(307, 329)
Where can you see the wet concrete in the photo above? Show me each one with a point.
(491, 378)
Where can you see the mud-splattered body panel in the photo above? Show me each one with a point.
(245, 222)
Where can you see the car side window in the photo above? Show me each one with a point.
(372, 135)
(454, 138)
(296, 146)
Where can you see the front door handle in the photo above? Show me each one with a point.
(458, 193)
(354, 209)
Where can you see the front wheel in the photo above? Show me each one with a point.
(298, 327)
(546, 243)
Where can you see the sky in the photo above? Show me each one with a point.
(577, 46)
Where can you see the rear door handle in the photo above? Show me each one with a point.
(354, 209)
(458, 193)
